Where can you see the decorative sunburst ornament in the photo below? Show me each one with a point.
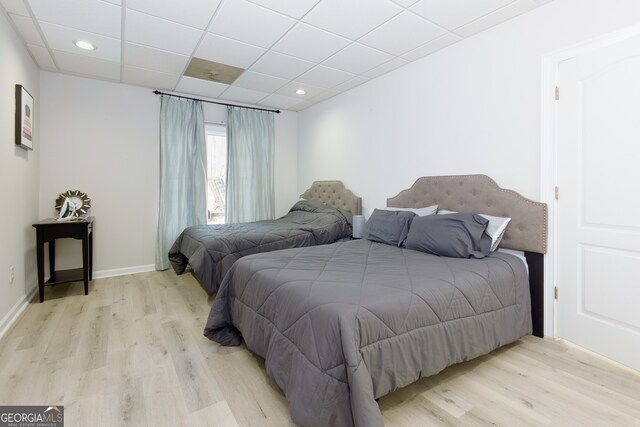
(73, 203)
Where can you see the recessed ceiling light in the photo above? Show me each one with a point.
(84, 45)
(301, 92)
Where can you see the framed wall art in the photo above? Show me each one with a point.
(24, 118)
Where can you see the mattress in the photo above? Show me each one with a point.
(211, 250)
(343, 324)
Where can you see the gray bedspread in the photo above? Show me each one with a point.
(211, 250)
(340, 325)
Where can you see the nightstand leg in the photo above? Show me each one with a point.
(91, 255)
(40, 256)
(52, 260)
(85, 263)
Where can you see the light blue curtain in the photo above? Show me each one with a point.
(250, 153)
(183, 172)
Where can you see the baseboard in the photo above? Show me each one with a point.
(16, 310)
(123, 271)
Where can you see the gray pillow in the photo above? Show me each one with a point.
(390, 227)
(459, 235)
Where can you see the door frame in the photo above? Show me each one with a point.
(548, 156)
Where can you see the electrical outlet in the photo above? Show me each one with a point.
(12, 274)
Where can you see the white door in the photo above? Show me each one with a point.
(598, 211)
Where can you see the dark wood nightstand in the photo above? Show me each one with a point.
(49, 230)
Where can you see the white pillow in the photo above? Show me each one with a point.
(429, 210)
(495, 229)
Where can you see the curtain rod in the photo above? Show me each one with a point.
(157, 92)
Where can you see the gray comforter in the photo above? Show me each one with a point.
(211, 250)
(343, 324)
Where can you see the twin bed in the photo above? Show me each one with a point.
(343, 324)
(323, 216)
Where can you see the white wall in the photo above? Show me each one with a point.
(473, 107)
(19, 172)
(102, 138)
(286, 162)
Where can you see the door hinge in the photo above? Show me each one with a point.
(557, 192)
(555, 293)
(557, 93)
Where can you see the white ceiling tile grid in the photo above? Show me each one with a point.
(260, 82)
(401, 34)
(15, 7)
(136, 55)
(250, 23)
(310, 43)
(337, 16)
(322, 46)
(357, 59)
(27, 29)
(228, 51)
(295, 9)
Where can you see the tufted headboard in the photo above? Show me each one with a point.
(527, 230)
(334, 193)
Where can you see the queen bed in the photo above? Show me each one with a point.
(322, 216)
(341, 325)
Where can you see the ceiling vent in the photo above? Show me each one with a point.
(212, 71)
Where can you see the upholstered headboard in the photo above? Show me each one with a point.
(527, 230)
(334, 193)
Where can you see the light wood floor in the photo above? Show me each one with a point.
(132, 353)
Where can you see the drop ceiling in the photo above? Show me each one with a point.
(322, 46)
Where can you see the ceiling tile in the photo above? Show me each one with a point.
(350, 18)
(240, 94)
(514, 9)
(27, 29)
(196, 13)
(290, 90)
(405, 3)
(250, 23)
(301, 106)
(309, 43)
(149, 78)
(386, 67)
(89, 15)
(226, 51)
(259, 81)
(432, 46)
(357, 59)
(296, 9)
(15, 7)
(42, 57)
(349, 84)
(264, 37)
(324, 95)
(279, 101)
(452, 14)
(139, 56)
(324, 77)
(280, 65)
(200, 87)
(61, 39)
(156, 32)
(402, 34)
(88, 67)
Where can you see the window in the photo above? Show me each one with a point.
(216, 172)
